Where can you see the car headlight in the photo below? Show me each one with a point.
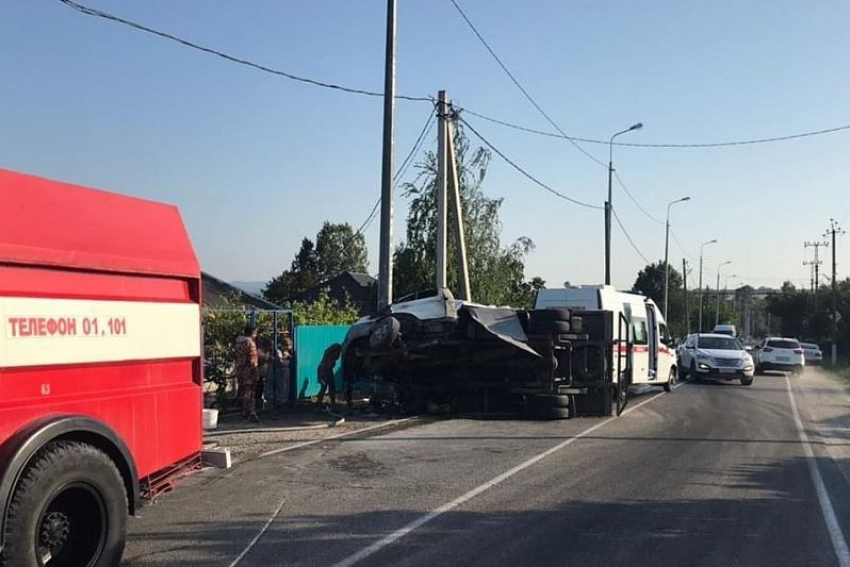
(704, 366)
(748, 367)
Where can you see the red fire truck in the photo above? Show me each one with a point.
(100, 369)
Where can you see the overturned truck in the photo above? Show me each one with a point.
(548, 363)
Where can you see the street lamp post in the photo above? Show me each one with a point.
(703, 245)
(717, 295)
(631, 128)
(666, 250)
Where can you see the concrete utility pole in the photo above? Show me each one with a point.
(834, 229)
(703, 245)
(608, 203)
(385, 251)
(687, 303)
(448, 196)
(717, 301)
(666, 250)
(442, 188)
(816, 262)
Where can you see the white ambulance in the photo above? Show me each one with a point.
(653, 360)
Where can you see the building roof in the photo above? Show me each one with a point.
(216, 291)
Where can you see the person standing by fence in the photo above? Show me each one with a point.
(247, 363)
(274, 371)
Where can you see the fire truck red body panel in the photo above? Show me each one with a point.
(100, 314)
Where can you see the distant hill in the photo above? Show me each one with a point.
(254, 288)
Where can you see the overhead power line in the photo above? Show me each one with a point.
(405, 165)
(522, 89)
(661, 145)
(233, 59)
(629, 193)
(629, 237)
(524, 172)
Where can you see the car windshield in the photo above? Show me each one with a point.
(719, 343)
(782, 343)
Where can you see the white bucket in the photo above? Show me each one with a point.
(210, 419)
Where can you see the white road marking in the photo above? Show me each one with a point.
(332, 437)
(839, 544)
(421, 521)
(258, 536)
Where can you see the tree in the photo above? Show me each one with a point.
(650, 282)
(337, 249)
(496, 272)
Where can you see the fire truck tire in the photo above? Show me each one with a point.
(69, 508)
(549, 315)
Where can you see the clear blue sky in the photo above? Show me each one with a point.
(256, 162)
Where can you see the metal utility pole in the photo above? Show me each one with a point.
(442, 188)
(717, 296)
(703, 245)
(834, 229)
(608, 203)
(816, 263)
(666, 250)
(385, 252)
(687, 303)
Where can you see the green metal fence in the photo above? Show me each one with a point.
(310, 344)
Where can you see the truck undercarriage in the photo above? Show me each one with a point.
(442, 353)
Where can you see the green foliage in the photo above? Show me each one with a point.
(496, 272)
(650, 282)
(338, 249)
(324, 311)
(221, 327)
(809, 316)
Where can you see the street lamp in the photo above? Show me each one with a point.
(717, 301)
(703, 245)
(666, 250)
(631, 128)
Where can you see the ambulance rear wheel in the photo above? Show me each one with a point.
(68, 509)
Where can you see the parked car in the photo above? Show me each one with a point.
(812, 354)
(728, 330)
(780, 353)
(712, 356)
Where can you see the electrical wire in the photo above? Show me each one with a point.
(629, 193)
(628, 236)
(107, 16)
(401, 170)
(661, 145)
(524, 172)
(522, 89)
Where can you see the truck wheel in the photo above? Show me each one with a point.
(550, 401)
(543, 412)
(550, 315)
(69, 508)
(384, 333)
(548, 327)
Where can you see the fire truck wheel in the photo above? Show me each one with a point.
(69, 508)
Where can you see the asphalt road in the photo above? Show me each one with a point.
(707, 475)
